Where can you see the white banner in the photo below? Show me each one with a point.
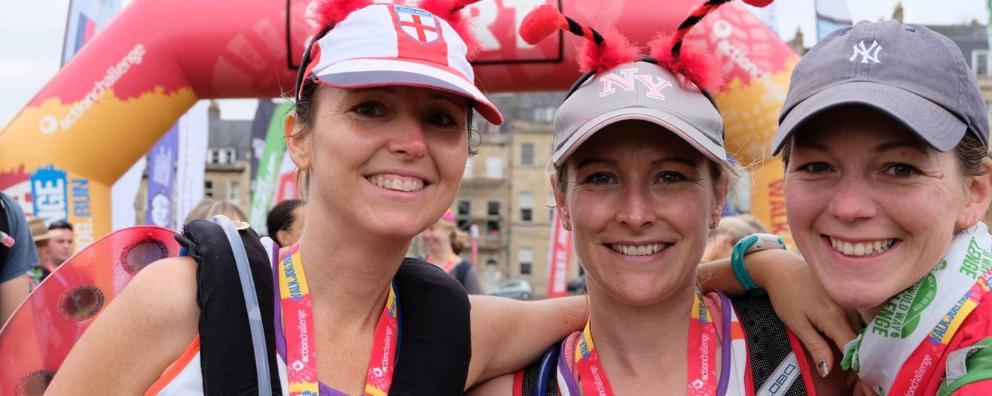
(123, 194)
(191, 160)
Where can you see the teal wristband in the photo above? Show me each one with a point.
(747, 245)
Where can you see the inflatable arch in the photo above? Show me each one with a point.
(126, 88)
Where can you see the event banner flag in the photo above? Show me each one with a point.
(268, 168)
(259, 128)
(86, 17)
(192, 160)
(162, 158)
(560, 257)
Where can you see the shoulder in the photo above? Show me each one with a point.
(165, 291)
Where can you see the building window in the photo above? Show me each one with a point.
(492, 227)
(234, 191)
(213, 156)
(494, 167)
(526, 207)
(526, 258)
(527, 154)
(464, 214)
(980, 62)
(544, 114)
(493, 208)
(231, 156)
(208, 188)
(468, 169)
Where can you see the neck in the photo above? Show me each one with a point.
(641, 340)
(348, 272)
(441, 254)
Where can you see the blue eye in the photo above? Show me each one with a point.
(902, 170)
(600, 178)
(672, 177)
(815, 167)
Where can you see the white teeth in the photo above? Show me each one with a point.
(860, 249)
(638, 250)
(398, 183)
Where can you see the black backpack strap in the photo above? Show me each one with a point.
(5, 227)
(227, 361)
(540, 378)
(767, 341)
(435, 334)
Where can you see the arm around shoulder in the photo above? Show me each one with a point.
(507, 335)
(146, 327)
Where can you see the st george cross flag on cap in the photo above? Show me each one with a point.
(386, 44)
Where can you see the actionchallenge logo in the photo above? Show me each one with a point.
(50, 124)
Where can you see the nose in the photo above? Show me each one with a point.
(408, 139)
(637, 210)
(851, 201)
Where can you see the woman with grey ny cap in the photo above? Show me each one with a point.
(885, 138)
(640, 177)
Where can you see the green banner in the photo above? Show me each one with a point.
(268, 169)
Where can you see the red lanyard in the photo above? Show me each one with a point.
(297, 322)
(702, 356)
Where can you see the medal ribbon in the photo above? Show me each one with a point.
(702, 350)
(298, 327)
(898, 352)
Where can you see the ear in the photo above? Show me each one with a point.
(296, 142)
(282, 235)
(719, 197)
(559, 199)
(978, 196)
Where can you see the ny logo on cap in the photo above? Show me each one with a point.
(626, 80)
(418, 24)
(867, 54)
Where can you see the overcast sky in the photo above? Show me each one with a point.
(31, 34)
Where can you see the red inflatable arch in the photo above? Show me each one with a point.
(128, 86)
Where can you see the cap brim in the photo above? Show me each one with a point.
(666, 120)
(364, 73)
(929, 121)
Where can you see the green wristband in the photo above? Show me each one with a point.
(747, 245)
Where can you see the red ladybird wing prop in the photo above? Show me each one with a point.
(39, 335)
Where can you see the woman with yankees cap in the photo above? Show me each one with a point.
(380, 133)
(640, 175)
(885, 136)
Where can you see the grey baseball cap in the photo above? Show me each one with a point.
(912, 73)
(642, 91)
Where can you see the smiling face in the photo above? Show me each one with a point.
(871, 206)
(639, 200)
(383, 161)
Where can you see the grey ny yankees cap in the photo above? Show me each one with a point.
(912, 73)
(642, 91)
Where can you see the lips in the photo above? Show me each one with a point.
(397, 182)
(862, 248)
(638, 249)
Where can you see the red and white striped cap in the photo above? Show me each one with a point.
(386, 44)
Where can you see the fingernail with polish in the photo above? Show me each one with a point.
(823, 368)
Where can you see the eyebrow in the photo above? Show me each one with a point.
(591, 161)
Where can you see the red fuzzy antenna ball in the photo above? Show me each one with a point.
(614, 51)
(540, 23)
(758, 3)
(449, 10)
(697, 66)
(323, 13)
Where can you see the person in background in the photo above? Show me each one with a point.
(41, 236)
(209, 207)
(285, 222)
(444, 243)
(61, 244)
(17, 255)
(721, 240)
